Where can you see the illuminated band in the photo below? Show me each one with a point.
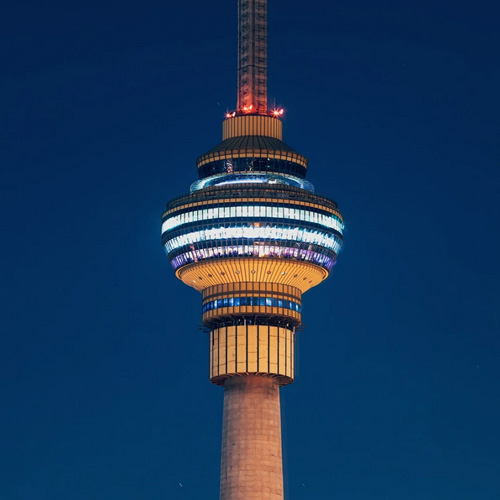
(251, 178)
(266, 165)
(267, 233)
(324, 260)
(251, 301)
(261, 211)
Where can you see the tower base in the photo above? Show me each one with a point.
(251, 462)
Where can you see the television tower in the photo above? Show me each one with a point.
(252, 237)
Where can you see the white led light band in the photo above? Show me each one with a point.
(259, 211)
(265, 233)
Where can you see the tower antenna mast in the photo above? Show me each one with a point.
(252, 57)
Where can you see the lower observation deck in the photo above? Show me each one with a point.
(265, 300)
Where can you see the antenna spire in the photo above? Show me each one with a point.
(252, 57)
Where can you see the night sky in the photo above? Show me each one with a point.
(104, 108)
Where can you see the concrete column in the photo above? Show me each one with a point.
(251, 463)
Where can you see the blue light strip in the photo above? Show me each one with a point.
(251, 301)
(251, 178)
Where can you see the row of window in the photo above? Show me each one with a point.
(232, 165)
(241, 288)
(249, 192)
(251, 301)
(243, 179)
(196, 255)
(251, 248)
(261, 211)
(294, 234)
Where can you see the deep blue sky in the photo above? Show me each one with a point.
(104, 107)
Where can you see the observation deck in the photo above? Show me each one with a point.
(252, 237)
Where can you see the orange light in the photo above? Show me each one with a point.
(281, 111)
(228, 115)
(234, 114)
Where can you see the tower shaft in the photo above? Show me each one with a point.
(251, 462)
(252, 56)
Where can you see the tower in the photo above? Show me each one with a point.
(252, 237)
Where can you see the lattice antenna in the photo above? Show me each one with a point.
(252, 57)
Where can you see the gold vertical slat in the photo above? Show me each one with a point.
(252, 349)
(240, 332)
(251, 125)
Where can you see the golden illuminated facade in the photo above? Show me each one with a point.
(252, 237)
